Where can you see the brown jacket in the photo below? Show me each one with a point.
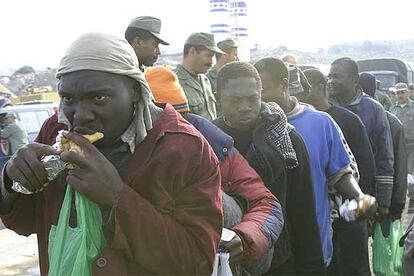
(169, 218)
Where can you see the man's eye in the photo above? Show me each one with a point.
(67, 99)
(101, 98)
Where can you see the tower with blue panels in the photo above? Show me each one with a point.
(220, 19)
(239, 27)
(228, 18)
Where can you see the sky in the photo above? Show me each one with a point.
(38, 32)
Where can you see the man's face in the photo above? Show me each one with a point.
(202, 60)
(272, 91)
(403, 96)
(292, 60)
(393, 95)
(98, 101)
(339, 81)
(147, 51)
(232, 55)
(7, 120)
(315, 94)
(240, 102)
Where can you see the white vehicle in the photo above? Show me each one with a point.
(32, 115)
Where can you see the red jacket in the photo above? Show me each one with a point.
(168, 219)
(262, 223)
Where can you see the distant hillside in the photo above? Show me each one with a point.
(403, 49)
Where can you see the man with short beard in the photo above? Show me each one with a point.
(199, 50)
(229, 47)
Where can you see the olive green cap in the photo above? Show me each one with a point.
(227, 44)
(401, 87)
(204, 39)
(150, 24)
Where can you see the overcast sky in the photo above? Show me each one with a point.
(37, 32)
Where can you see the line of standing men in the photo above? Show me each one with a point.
(157, 180)
(202, 96)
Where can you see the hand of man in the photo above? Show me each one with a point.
(368, 206)
(25, 166)
(234, 247)
(95, 176)
(382, 214)
(394, 216)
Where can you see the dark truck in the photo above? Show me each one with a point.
(389, 71)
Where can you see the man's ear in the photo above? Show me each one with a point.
(136, 92)
(224, 57)
(285, 85)
(355, 79)
(319, 87)
(136, 42)
(192, 51)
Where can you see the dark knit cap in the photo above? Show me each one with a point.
(368, 83)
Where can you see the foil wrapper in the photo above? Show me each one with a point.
(52, 164)
(349, 210)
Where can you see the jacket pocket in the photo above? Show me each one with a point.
(196, 105)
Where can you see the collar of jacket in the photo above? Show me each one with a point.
(142, 67)
(184, 74)
(274, 128)
(195, 81)
(213, 72)
(410, 103)
(359, 94)
(298, 108)
(222, 144)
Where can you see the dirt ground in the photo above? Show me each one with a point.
(18, 254)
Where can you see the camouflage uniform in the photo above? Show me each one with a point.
(198, 91)
(212, 76)
(383, 99)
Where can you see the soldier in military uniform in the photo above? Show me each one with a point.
(143, 33)
(229, 47)
(404, 110)
(199, 50)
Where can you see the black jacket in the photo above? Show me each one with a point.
(357, 138)
(399, 190)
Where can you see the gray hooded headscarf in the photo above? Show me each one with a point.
(112, 54)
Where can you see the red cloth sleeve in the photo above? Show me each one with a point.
(242, 180)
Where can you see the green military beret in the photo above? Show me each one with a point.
(401, 87)
(150, 24)
(204, 39)
(227, 44)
